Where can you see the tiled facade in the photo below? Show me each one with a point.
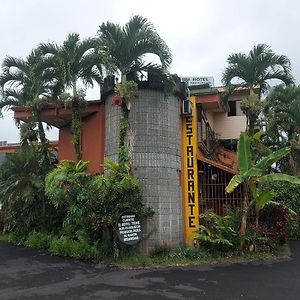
(155, 125)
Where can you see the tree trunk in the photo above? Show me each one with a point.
(76, 122)
(76, 133)
(44, 143)
(245, 205)
(46, 158)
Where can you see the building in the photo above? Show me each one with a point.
(183, 160)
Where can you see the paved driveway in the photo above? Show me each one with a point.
(27, 274)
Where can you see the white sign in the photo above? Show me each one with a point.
(198, 80)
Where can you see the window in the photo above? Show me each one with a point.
(235, 108)
(232, 109)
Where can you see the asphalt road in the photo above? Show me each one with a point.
(28, 274)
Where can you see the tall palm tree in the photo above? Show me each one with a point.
(257, 67)
(254, 70)
(78, 62)
(32, 84)
(126, 48)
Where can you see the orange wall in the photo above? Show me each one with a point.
(207, 98)
(9, 149)
(65, 147)
(92, 141)
(13, 148)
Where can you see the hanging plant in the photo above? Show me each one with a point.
(117, 100)
(128, 91)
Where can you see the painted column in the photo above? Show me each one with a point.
(190, 175)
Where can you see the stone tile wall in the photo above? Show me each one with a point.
(156, 131)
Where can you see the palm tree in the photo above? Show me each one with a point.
(282, 115)
(126, 48)
(78, 62)
(254, 70)
(32, 84)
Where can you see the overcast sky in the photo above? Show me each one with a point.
(201, 34)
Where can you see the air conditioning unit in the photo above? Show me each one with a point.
(187, 107)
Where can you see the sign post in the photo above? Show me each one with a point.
(190, 175)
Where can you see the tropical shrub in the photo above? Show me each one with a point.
(220, 233)
(93, 203)
(289, 195)
(38, 240)
(60, 246)
(18, 237)
(80, 249)
(274, 219)
(254, 176)
(66, 187)
(22, 190)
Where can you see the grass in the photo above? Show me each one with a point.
(4, 236)
(182, 256)
(144, 261)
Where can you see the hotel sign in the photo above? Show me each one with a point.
(190, 175)
(198, 80)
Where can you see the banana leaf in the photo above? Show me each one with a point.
(272, 158)
(244, 154)
(235, 181)
(253, 172)
(257, 136)
(278, 177)
(264, 199)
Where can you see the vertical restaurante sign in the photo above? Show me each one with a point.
(190, 174)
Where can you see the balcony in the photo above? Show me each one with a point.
(207, 138)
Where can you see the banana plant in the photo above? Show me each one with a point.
(252, 176)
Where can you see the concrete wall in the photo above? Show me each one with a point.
(156, 129)
(210, 119)
(229, 127)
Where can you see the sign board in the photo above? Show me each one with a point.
(190, 175)
(198, 80)
(129, 228)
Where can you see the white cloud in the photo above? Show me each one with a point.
(201, 33)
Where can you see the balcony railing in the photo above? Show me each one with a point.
(206, 136)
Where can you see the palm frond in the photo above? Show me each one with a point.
(257, 67)
(126, 45)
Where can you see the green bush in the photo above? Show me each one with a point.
(60, 246)
(22, 190)
(93, 203)
(64, 246)
(38, 240)
(17, 238)
(220, 233)
(289, 195)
